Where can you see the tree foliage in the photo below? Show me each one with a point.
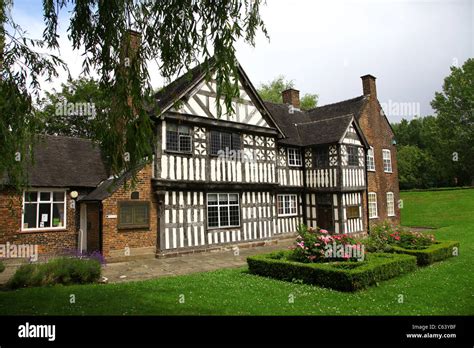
(271, 92)
(74, 110)
(21, 67)
(174, 33)
(455, 110)
(439, 150)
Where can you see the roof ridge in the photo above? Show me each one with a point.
(324, 119)
(339, 102)
(64, 136)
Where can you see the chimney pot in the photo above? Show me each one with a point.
(368, 85)
(291, 96)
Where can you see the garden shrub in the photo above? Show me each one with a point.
(2, 267)
(317, 245)
(436, 252)
(385, 236)
(61, 270)
(342, 275)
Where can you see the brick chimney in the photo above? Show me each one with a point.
(131, 45)
(291, 96)
(368, 85)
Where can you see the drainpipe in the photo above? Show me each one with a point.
(367, 191)
(101, 247)
(303, 198)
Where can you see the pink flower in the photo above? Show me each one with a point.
(323, 231)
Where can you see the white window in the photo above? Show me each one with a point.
(286, 205)
(44, 210)
(373, 205)
(223, 210)
(370, 159)
(294, 157)
(390, 204)
(387, 161)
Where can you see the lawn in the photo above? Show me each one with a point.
(443, 288)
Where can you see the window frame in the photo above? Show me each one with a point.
(349, 156)
(374, 194)
(38, 202)
(387, 160)
(233, 143)
(317, 152)
(371, 159)
(228, 205)
(133, 226)
(179, 135)
(391, 204)
(297, 156)
(289, 195)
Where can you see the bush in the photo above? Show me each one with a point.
(343, 276)
(317, 245)
(2, 267)
(436, 252)
(385, 236)
(62, 270)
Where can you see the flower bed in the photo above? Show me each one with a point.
(338, 275)
(436, 252)
(395, 239)
(318, 245)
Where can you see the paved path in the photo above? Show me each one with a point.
(153, 268)
(150, 267)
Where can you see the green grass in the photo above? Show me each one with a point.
(444, 288)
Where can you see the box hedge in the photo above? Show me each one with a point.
(343, 275)
(2, 267)
(435, 252)
(63, 270)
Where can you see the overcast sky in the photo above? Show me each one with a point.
(325, 46)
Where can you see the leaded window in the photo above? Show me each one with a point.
(178, 138)
(224, 141)
(353, 155)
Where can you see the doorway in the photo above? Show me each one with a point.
(324, 212)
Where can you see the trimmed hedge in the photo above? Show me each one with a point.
(343, 275)
(2, 267)
(435, 252)
(63, 270)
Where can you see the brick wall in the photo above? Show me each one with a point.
(115, 240)
(49, 242)
(380, 136)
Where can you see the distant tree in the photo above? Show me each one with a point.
(416, 168)
(74, 110)
(271, 92)
(455, 115)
